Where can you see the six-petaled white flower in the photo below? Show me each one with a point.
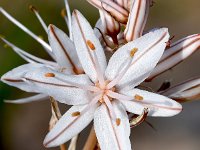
(106, 91)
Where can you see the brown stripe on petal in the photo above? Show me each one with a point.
(13, 80)
(53, 84)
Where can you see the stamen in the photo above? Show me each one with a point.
(36, 12)
(118, 121)
(138, 97)
(97, 65)
(119, 96)
(69, 18)
(120, 76)
(110, 107)
(92, 103)
(25, 29)
(84, 87)
(90, 45)
(75, 114)
(26, 56)
(49, 75)
(147, 103)
(133, 51)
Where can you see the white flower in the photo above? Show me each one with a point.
(112, 87)
(105, 92)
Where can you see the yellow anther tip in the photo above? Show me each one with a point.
(133, 51)
(33, 8)
(49, 75)
(63, 12)
(6, 46)
(118, 121)
(41, 37)
(90, 45)
(138, 97)
(75, 114)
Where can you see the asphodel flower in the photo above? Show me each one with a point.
(105, 92)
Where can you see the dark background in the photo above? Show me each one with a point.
(23, 127)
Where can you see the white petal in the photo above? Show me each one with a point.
(188, 95)
(109, 135)
(69, 126)
(64, 50)
(31, 78)
(82, 32)
(14, 77)
(57, 87)
(35, 98)
(157, 105)
(178, 52)
(150, 48)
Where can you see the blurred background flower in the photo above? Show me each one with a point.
(25, 126)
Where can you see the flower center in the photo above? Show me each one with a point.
(105, 90)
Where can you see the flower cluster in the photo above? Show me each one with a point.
(101, 89)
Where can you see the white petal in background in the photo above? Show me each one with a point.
(177, 53)
(186, 91)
